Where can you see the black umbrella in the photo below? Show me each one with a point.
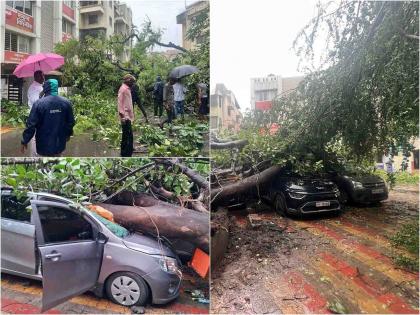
(182, 71)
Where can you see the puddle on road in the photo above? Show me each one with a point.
(79, 146)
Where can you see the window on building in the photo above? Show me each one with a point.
(87, 3)
(14, 42)
(23, 6)
(110, 21)
(92, 19)
(69, 3)
(67, 27)
(23, 44)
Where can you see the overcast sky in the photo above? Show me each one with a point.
(253, 39)
(162, 14)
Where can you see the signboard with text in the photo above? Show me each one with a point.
(263, 105)
(68, 11)
(14, 57)
(19, 20)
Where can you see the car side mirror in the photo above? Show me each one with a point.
(102, 238)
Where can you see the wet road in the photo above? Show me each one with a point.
(78, 146)
(323, 264)
(23, 296)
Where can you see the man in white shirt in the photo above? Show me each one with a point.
(33, 95)
(179, 97)
(35, 88)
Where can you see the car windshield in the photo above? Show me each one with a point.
(115, 228)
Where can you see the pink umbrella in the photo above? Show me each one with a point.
(42, 61)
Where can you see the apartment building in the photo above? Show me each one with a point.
(106, 18)
(30, 27)
(265, 89)
(225, 112)
(186, 18)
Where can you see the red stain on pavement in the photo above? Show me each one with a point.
(16, 307)
(394, 303)
(361, 248)
(187, 309)
(316, 303)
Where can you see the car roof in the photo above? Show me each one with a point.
(43, 194)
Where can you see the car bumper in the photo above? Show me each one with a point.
(366, 196)
(310, 207)
(165, 287)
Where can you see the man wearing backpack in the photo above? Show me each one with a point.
(158, 96)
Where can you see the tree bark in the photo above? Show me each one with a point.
(251, 186)
(140, 212)
(229, 145)
(193, 175)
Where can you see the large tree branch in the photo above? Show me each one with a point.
(193, 175)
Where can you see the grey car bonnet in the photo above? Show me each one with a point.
(146, 244)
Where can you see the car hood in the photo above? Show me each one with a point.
(311, 185)
(366, 179)
(147, 245)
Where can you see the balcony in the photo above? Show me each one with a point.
(91, 7)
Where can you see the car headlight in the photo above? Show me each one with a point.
(168, 264)
(296, 195)
(357, 185)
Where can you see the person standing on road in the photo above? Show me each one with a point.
(135, 97)
(51, 121)
(168, 102)
(158, 96)
(203, 110)
(34, 92)
(126, 115)
(179, 97)
(35, 88)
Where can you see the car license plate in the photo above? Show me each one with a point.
(322, 204)
(377, 191)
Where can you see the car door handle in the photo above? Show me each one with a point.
(53, 256)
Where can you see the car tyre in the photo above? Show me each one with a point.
(344, 197)
(280, 204)
(127, 289)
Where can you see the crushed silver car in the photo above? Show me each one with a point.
(74, 250)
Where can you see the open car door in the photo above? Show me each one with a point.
(71, 249)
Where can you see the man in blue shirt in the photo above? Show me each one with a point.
(51, 121)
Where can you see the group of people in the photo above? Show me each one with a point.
(169, 95)
(51, 119)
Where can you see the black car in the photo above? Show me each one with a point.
(361, 188)
(295, 195)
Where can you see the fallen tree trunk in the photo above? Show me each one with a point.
(251, 186)
(172, 221)
(228, 145)
(219, 236)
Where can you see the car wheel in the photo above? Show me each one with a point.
(127, 289)
(344, 197)
(280, 204)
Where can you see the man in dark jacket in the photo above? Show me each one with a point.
(135, 96)
(158, 96)
(51, 121)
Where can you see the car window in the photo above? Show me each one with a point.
(63, 225)
(115, 228)
(15, 208)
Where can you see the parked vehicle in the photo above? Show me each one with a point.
(295, 195)
(73, 250)
(365, 188)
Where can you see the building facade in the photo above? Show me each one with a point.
(186, 18)
(225, 112)
(265, 89)
(106, 18)
(30, 27)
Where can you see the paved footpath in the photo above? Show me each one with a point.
(23, 296)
